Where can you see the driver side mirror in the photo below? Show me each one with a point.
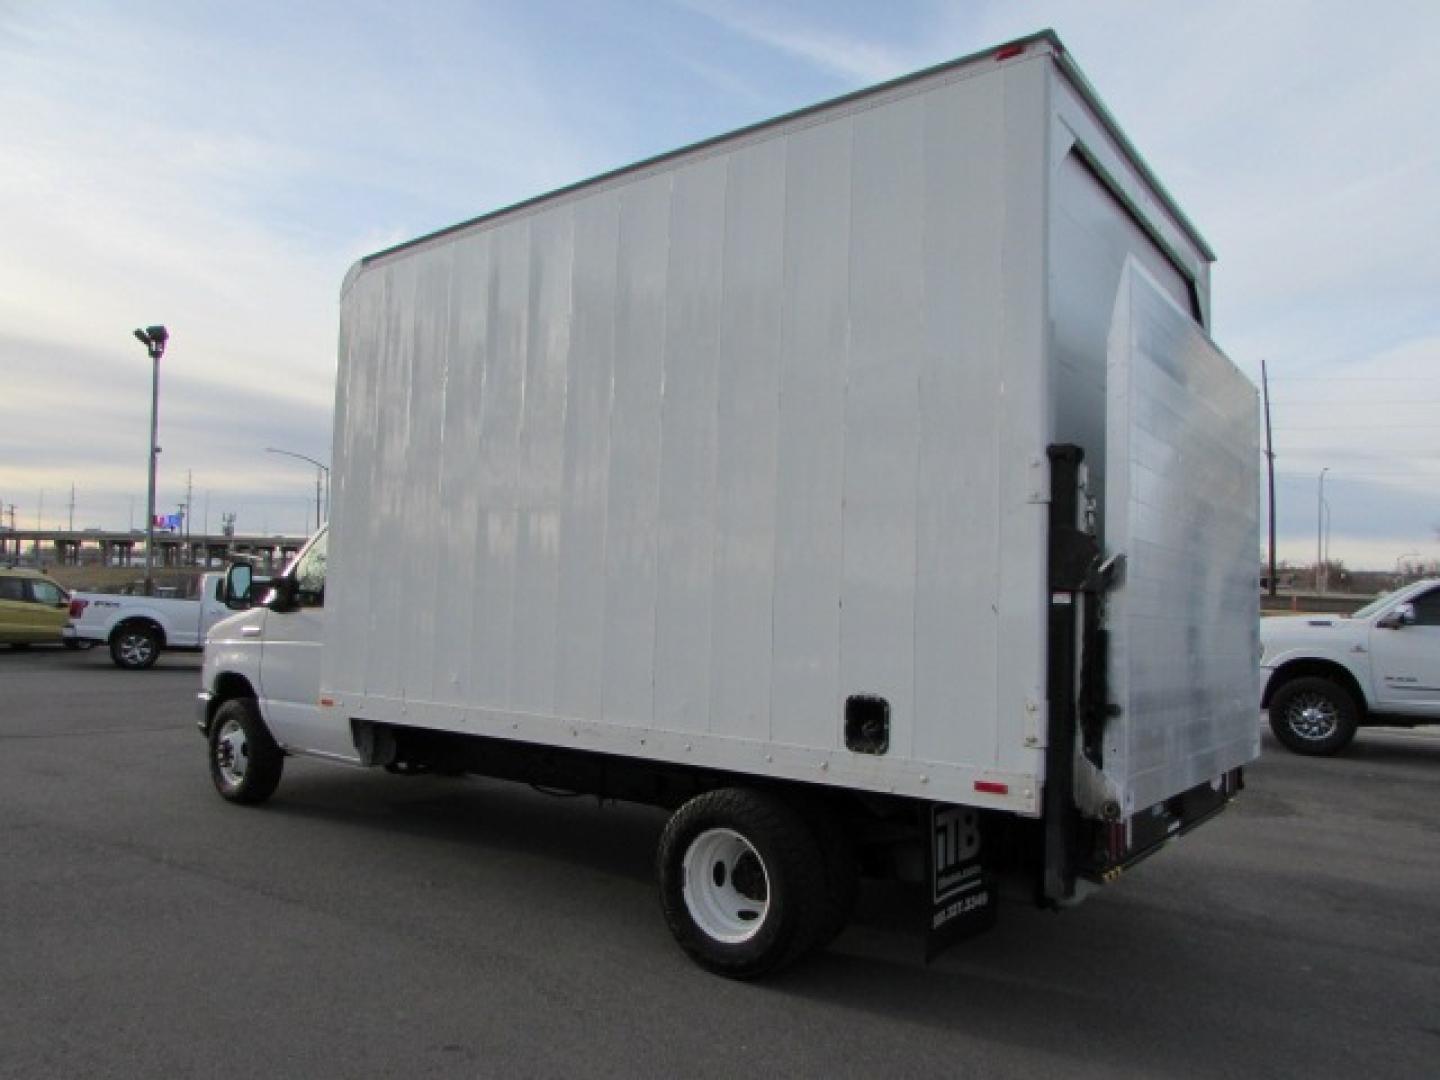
(1399, 616)
(238, 581)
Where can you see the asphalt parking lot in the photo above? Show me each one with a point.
(367, 925)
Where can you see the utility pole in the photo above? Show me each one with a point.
(1270, 468)
(322, 471)
(72, 508)
(189, 509)
(1320, 532)
(154, 339)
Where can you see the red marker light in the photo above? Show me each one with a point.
(1009, 52)
(992, 787)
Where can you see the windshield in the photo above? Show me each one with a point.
(1374, 605)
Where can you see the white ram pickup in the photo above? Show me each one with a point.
(138, 628)
(1327, 675)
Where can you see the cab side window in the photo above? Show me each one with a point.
(1427, 608)
(11, 589)
(310, 574)
(44, 592)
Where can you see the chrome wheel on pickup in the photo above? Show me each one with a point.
(135, 646)
(1313, 716)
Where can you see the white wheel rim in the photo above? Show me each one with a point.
(727, 888)
(232, 754)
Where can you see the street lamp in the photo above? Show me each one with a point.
(154, 339)
(1400, 573)
(1320, 530)
(321, 469)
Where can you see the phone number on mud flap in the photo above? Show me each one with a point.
(960, 907)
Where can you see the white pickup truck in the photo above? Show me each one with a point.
(138, 628)
(1327, 675)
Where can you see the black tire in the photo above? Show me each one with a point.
(1314, 716)
(754, 848)
(134, 647)
(245, 762)
(842, 869)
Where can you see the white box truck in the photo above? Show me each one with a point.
(863, 485)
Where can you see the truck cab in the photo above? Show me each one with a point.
(270, 653)
(1326, 676)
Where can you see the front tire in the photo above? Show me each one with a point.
(1314, 716)
(245, 762)
(742, 882)
(135, 648)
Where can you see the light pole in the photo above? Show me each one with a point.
(154, 339)
(321, 470)
(1399, 573)
(1320, 529)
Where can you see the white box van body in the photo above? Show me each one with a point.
(878, 455)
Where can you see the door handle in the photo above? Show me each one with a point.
(250, 631)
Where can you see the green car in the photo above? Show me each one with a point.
(33, 608)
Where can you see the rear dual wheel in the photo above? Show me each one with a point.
(746, 883)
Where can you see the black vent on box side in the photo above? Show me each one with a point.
(867, 724)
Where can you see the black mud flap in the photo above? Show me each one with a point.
(959, 897)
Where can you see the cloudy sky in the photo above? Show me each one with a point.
(218, 167)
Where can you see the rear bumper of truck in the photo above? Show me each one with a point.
(1119, 845)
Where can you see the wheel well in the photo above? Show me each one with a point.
(228, 687)
(1320, 669)
(149, 624)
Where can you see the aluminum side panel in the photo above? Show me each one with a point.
(465, 321)
(882, 405)
(1025, 409)
(1183, 506)
(747, 407)
(805, 678)
(590, 390)
(957, 662)
(632, 514)
(688, 449)
(507, 299)
(417, 630)
(539, 487)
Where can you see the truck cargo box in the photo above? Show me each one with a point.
(742, 458)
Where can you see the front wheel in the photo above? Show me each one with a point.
(1314, 716)
(135, 647)
(245, 762)
(742, 882)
